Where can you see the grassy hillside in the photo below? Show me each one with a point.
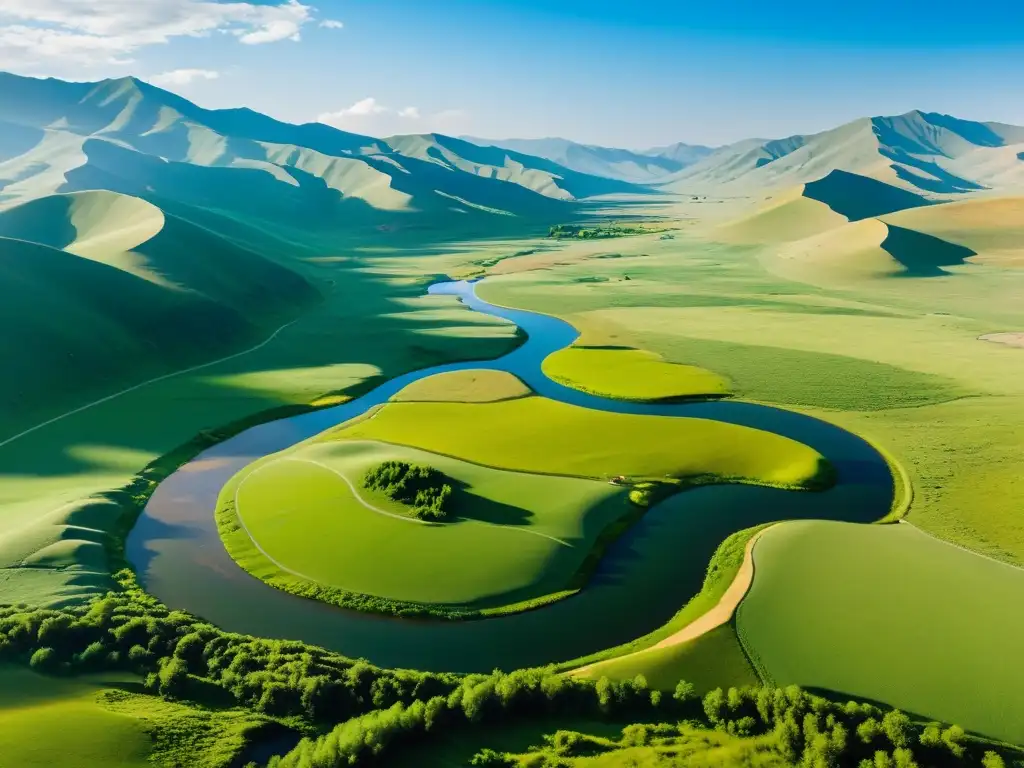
(536, 173)
(78, 327)
(993, 227)
(870, 603)
(922, 152)
(859, 197)
(863, 250)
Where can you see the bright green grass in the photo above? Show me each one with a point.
(891, 614)
(897, 361)
(713, 660)
(768, 373)
(610, 746)
(686, 747)
(514, 537)
(630, 374)
(372, 324)
(101, 720)
(535, 434)
(50, 722)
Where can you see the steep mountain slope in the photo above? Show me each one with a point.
(808, 209)
(681, 153)
(544, 176)
(67, 136)
(611, 163)
(923, 152)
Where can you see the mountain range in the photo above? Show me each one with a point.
(161, 232)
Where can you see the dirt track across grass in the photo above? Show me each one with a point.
(716, 617)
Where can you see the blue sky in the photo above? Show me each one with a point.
(620, 73)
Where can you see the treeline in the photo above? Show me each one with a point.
(560, 231)
(423, 488)
(800, 728)
(375, 710)
(182, 657)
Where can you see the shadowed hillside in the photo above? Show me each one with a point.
(539, 174)
(865, 250)
(820, 205)
(923, 152)
(72, 319)
(860, 197)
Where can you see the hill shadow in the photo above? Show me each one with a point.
(859, 197)
(472, 506)
(923, 255)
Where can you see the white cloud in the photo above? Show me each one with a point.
(371, 117)
(331, 24)
(55, 35)
(183, 76)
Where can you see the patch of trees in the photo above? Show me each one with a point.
(425, 489)
(374, 710)
(800, 728)
(600, 231)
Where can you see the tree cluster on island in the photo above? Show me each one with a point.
(426, 489)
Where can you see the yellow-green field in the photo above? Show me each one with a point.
(631, 374)
(539, 435)
(471, 386)
(891, 614)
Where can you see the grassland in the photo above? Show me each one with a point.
(30, 706)
(515, 538)
(890, 614)
(472, 386)
(102, 720)
(545, 436)
(631, 374)
(897, 360)
(374, 323)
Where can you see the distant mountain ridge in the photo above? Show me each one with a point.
(129, 136)
(622, 164)
(923, 152)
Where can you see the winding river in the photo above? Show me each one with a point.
(646, 576)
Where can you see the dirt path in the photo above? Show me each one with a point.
(716, 617)
(1010, 339)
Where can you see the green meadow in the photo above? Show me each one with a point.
(631, 374)
(104, 719)
(536, 434)
(889, 613)
(513, 537)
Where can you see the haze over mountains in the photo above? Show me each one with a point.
(922, 151)
(126, 210)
